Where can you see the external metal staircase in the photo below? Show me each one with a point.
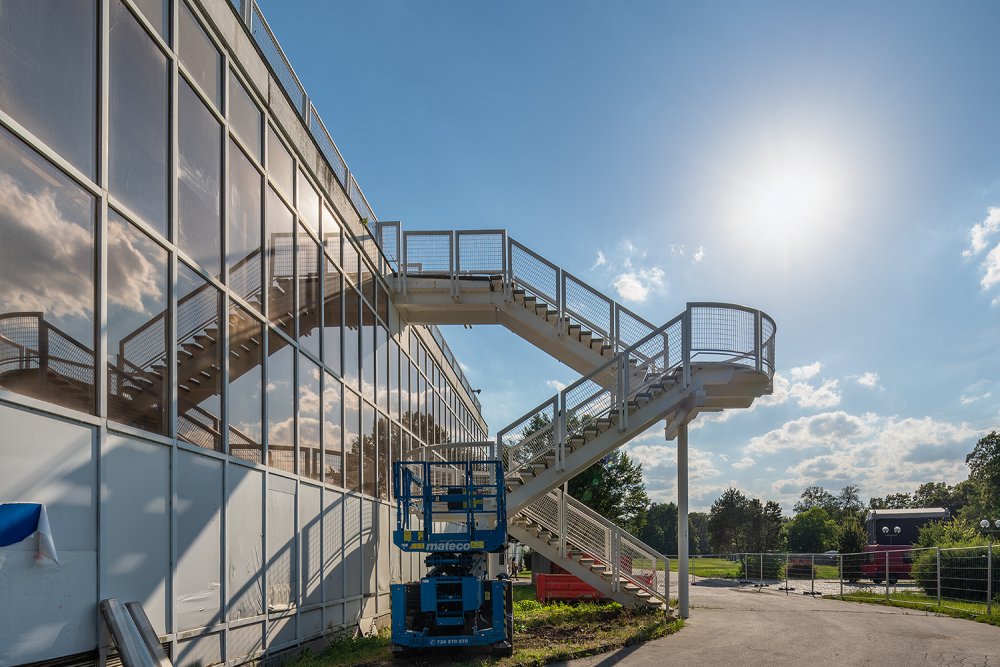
(711, 357)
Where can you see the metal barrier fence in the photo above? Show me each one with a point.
(966, 579)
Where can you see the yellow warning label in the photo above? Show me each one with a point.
(407, 535)
(417, 545)
(476, 544)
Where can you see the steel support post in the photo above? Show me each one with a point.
(786, 574)
(989, 580)
(939, 575)
(886, 554)
(683, 585)
(812, 574)
(762, 570)
(840, 558)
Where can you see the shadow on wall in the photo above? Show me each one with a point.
(51, 610)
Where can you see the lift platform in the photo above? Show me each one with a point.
(455, 511)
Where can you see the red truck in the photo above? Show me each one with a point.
(891, 534)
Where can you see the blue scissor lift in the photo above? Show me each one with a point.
(456, 512)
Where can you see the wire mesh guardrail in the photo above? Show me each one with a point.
(584, 531)
(959, 578)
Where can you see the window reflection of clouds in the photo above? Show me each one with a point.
(47, 254)
(199, 170)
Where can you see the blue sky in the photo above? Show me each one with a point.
(835, 166)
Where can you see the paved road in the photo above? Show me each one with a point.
(746, 627)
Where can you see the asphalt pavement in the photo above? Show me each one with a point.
(750, 626)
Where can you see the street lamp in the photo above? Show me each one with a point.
(985, 525)
(895, 531)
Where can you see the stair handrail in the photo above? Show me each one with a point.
(552, 513)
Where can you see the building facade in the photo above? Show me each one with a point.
(202, 374)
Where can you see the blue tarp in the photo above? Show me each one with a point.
(18, 521)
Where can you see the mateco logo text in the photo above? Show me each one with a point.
(452, 546)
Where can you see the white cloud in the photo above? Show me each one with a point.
(555, 384)
(699, 254)
(827, 395)
(868, 379)
(636, 285)
(980, 232)
(677, 250)
(991, 268)
(600, 261)
(806, 372)
(977, 391)
(744, 463)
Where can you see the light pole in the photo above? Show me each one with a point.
(985, 525)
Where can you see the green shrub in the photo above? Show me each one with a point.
(774, 566)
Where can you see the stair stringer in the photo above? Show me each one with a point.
(432, 301)
(574, 567)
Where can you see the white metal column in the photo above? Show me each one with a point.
(683, 584)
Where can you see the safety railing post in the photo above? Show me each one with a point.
(939, 575)
(812, 574)
(840, 559)
(666, 582)
(403, 268)
(505, 266)
(758, 341)
(786, 574)
(560, 444)
(989, 580)
(560, 300)
(562, 523)
(686, 348)
(453, 261)
(886, 554)
(761, 556)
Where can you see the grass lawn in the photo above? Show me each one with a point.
(542, 634)
(710, 567)
(911, 600)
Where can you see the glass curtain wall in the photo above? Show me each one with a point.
(241, 316)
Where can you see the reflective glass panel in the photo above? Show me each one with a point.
(280, 168)
(199, 180)
(308, 284)
(48, 74)
(393, 370)
(280, 225)
(244, 252)
(331, 234)
(381, 368)
(308, 202)
(310, 454)
(333, 436)
(369, 473)
(199, 360)
(138, 328)
(352, 336)
(280, 403)
(245, 117)
(333, 304)
(199, 55)
(352, 440)
(47, 273)
(246, 376)
(138, 124)
(157, 12)
(367, 284)
(384, 449)
(350, 262)
(367, 353)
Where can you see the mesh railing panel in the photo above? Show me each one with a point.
(533, 273)
(631, 328)
(529, 437)
(428, 253)
(587, 535)
(276, 58)
(326, 146)
(723, 333)
(586, 305)
(480, 253)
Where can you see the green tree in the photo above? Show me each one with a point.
(727, 522)
(698, 533)
(984, 471)
(660, 531)
(811, 531)
(849, 501)
(614, 488)
(816, 496)
(851, 541)
(933, 494)
(893, 501)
